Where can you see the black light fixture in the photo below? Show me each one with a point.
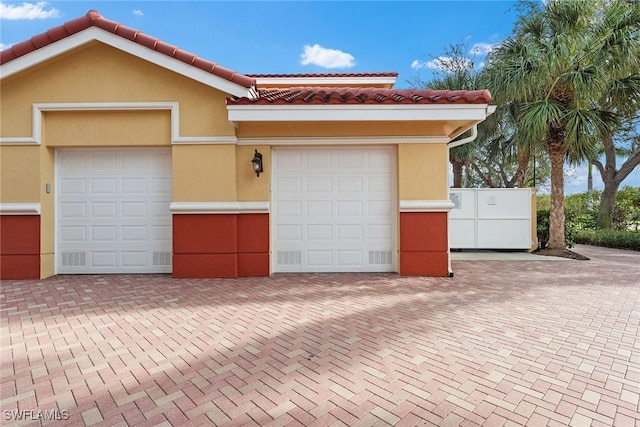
(257, 163)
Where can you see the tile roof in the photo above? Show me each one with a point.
(94, 19)
(324, 75)
(320, 95)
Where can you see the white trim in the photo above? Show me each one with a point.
(94, 33)
(426, 205)
(207, 140)
(219, 207)
(351, 112)
(173, 107)
(355, 140)
(20, 209)
(326, 80)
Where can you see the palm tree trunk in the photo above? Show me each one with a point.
(523, 157)
(556, 213)
(457, 173)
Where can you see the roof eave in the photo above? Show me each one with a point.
(364, 112)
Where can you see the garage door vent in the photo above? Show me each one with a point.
(162, 258)
(73, 259)
(289, 258)
(380, 258)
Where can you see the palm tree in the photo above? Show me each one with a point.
(555, 68)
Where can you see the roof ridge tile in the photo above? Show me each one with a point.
(93, 18)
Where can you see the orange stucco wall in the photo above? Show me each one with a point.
(202, 171)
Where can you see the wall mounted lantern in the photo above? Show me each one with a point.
(257, 163)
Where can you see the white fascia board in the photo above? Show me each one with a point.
(368, 112)
(219, 207)
(94, 33)
(20, 209)
(353, 140)
(426, 205)
(313, 81)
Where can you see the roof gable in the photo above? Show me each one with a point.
(93, 26)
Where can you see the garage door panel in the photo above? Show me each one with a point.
(73, 210)
(133, 259)
(350, 208)
(329, 212)
(320, 258)
(74, 234)
(134, 210)
(319, 184)
(350, 160)
(104, 233)
(350, 258)
(316, 160)
(289, 232)
(350, 184)
(350, 232)
(103, 210)
(113, 211)
(134, 186)
(72, 186)
(320, 232)
(161, 186)
(104, 259)
(322, 208)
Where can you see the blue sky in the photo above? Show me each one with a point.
(291, 36)
(266, 37)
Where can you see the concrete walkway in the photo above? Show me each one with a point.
(501, 343)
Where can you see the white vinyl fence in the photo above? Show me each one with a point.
(492, 218)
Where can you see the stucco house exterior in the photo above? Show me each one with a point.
(123, 154)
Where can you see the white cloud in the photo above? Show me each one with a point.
(4, 46)
(29, 11)
(482, 48)
(327, 58)
(138, 12)
(441, 63)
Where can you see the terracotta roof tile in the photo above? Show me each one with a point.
(94, 19)
(318, 95)
(324, 75)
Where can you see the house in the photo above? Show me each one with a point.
(121, 153)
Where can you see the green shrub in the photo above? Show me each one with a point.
(543, 228)
(622, 239)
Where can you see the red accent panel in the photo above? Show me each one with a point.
(253, 233)
(20, 247)
(205, 234)
(423, 231)
(225, 245)
(432, 264)
(424, 244)
(20, 234)
(253, 265)
(205, 265)
(19, 267)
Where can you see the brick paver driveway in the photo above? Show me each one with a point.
(501, 343)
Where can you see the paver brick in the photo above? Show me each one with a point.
(500, 343)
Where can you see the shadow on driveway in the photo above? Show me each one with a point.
(538, 342)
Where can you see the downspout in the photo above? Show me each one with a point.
(474, 135)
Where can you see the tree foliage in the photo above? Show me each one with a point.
(566, 72)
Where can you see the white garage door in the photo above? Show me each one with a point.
(113, 211)
(334, 209)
